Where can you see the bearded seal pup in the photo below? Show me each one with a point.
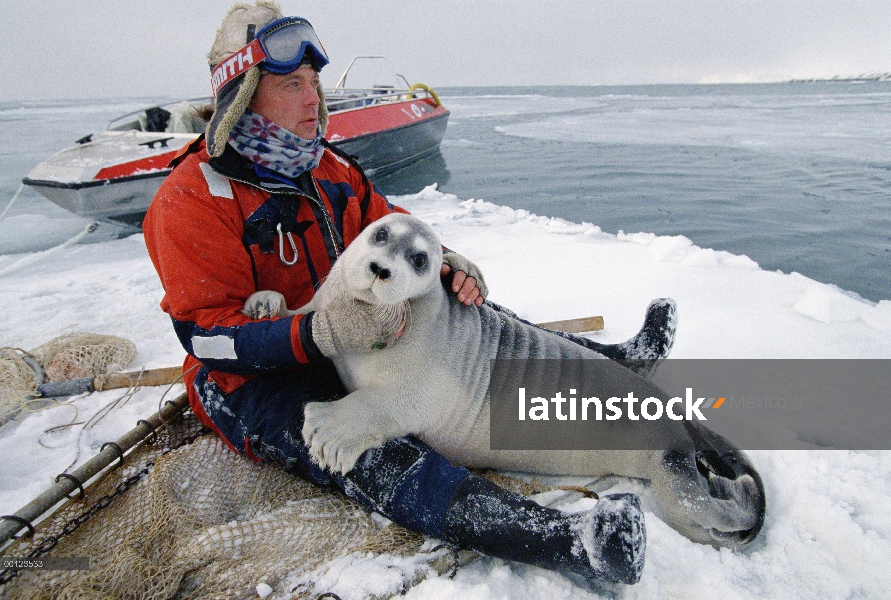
(433, 383)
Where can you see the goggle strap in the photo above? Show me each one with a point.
(233, 66)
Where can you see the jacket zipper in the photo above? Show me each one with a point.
(328, 222)
(317, 201)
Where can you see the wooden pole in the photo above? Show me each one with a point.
(169, 375)
(575, 325)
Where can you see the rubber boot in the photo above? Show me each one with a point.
(606, 543)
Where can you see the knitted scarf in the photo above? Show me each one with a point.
(272, 146)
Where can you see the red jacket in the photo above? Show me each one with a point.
(212, 234)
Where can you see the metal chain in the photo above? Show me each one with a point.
(75, 522)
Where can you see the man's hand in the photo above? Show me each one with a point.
(467, 281)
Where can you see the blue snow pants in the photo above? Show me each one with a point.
(405, 480)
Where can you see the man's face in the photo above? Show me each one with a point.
(290, 100)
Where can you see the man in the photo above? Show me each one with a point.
(263, 203)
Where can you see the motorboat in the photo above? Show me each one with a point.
(115, 174)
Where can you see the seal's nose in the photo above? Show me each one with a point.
(379, 271)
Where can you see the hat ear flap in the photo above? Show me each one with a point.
(323, 110)
(237, 29)
(228, 110)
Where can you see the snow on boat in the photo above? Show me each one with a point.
(115, 173)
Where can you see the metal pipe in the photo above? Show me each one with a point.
(64, 487)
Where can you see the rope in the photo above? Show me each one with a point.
(11, 202)
(101, 414)
(38, 256)
(179, 379)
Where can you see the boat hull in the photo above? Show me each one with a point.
(388, 136)
(391, 149)
(123, 199)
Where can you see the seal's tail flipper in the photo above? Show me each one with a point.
(710, 495)
(733, 484)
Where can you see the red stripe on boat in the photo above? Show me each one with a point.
(374, 119)
(137, 167)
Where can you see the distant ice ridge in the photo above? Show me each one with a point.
(830, 126)
(496, 105)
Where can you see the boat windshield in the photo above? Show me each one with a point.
(177, 117)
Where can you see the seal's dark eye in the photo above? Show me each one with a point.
(419, 260)
(381, 235)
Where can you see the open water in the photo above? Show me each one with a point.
(797, 176)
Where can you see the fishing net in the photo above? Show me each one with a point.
(71, 356)
(17, 381)
(184, 517)
(79, 355)
(201, 523)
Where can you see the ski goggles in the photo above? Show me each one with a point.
(281, 46)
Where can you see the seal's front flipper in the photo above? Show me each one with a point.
(265, 304)
(337, 433)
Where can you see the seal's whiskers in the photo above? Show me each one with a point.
(393, 315)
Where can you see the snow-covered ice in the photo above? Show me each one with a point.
(828, 527)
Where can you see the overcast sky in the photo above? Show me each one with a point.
(115, 48)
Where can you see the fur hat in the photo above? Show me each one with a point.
(238, 28)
